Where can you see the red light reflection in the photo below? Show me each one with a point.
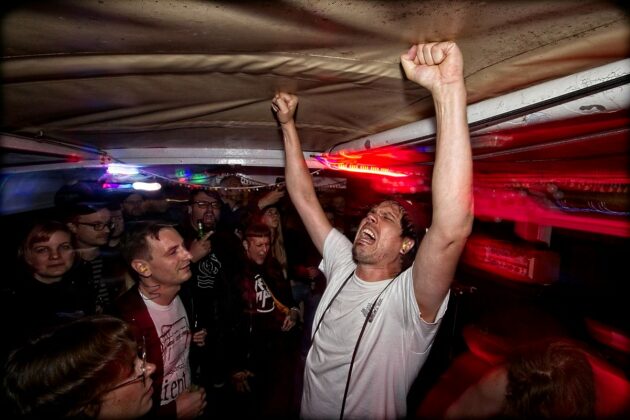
(569, 174)
(519, 262)
(609, 336)
(73, 158)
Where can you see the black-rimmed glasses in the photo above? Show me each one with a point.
(142, 354)
(206, 204)
(98, 226)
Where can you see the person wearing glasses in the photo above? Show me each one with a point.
(89, 368)
(90, 222)
(213, 264)
(162, 315)
(387, 291)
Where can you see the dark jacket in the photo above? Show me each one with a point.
(213, 287)
(259, 328)
(31, 307)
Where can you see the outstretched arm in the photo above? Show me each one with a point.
(438, 67)
(298, 178)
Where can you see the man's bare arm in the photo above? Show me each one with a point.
(439, 68)
(297, 176)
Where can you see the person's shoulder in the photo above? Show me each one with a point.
(336, 239)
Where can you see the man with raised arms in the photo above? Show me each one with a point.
(378, 317)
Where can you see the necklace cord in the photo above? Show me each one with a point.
(356, 346)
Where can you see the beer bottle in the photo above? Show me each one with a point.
(200, 232)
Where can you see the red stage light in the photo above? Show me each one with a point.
(73, 158)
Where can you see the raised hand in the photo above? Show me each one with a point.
(284, 105)
(201, 247)
(434, 64)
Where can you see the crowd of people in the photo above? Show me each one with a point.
(130, 307)
(207, 286)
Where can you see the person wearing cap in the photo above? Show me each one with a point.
(378, 318)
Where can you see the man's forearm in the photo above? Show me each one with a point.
(297, 176)
(452, 173)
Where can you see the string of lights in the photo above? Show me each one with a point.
(210, 182)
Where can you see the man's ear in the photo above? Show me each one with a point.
(407, 245)
(72, 227)
(141, 267)
(245, 245)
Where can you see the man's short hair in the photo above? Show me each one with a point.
(135, 243)
(213, 194)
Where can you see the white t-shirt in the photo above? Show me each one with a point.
(394, 346)
(171, 324)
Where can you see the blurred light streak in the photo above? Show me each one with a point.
(518, 262)
(515, 205)
(147, 186)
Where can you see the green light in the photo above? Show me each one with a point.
(182, 173)
(198, 178)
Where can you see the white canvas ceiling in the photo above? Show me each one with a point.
(167, 77)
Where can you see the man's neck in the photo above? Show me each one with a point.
(158, 293)
(371, 273)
